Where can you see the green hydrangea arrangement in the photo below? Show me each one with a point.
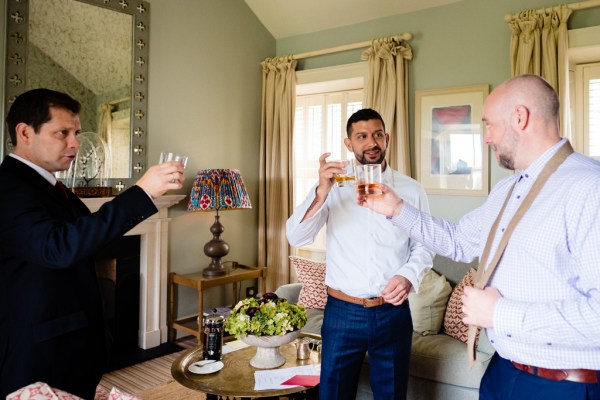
(268, 315)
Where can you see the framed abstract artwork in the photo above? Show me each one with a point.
(451, 156)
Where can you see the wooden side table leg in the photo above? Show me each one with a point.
(172, 332)
(236, 286)
(200, 315)
(263, 282)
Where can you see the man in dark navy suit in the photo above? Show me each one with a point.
(51, 324)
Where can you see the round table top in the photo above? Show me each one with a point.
(236, 379)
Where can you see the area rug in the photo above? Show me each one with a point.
(171, 390)
(146, 376)
(127, 356)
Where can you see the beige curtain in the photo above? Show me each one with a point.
(386, 91)
(105, 123)
(275, 178)
(539, 45)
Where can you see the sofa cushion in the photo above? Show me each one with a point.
(444, 359)
(311, 274)
(453, 320)
(427, 307)
(289, 291)
(314, 321)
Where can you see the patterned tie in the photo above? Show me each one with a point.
(483, 274)
(60, 186)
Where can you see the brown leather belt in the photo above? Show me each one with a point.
(372, 302)
(573, 375)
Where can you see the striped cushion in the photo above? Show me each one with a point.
(311, 274)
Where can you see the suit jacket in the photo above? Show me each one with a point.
(51, 324)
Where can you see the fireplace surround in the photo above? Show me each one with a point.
(154, 248)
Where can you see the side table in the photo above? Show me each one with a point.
(236, 379)
(193, 325)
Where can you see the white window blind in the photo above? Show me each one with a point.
(319, 127)
(591, 78)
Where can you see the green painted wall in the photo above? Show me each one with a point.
(205, 88)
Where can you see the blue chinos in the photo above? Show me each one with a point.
(348, 332)
(502, 381)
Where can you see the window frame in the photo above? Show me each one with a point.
(584, 49)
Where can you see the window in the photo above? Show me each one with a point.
(584, 77)
(588, 108)
(322, 110)
(319, 127)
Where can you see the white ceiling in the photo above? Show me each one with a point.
(284, 18)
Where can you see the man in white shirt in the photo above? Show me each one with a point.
(371, 269)
(541, 307)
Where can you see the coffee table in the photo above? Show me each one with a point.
(236, 379)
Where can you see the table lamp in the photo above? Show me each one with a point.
(217, 189)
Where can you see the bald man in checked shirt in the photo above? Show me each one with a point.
(541, 307)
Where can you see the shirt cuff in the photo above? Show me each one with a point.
(508, 317)
(406, 218)
(412, 278)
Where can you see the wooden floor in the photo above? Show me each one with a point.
(146, 375)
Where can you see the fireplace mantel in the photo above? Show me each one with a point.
(154, 248)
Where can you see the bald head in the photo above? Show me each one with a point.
(535, 93)
(522, 120)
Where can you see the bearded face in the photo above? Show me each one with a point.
(368, 141)
(374, 155)
(505, 150)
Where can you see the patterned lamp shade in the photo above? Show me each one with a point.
(218, 189)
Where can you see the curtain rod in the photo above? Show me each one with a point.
(123, 100)
(346, 47)
(582, 5)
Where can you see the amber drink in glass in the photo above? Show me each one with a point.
(369, 179)
(342, 179)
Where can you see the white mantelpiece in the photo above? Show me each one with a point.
(154, 251)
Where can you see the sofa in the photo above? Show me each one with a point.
(438, 365)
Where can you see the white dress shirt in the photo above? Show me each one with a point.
(364, 250)
(549, 274)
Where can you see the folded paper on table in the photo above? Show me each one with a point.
(233, 346)
(303, 380)
(272, 378)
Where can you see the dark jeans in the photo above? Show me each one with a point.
(502, 381)
(348, 332)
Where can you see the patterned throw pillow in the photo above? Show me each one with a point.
(453, 324)
(311, 274)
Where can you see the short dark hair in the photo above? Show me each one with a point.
(33, 108)
(363, 115)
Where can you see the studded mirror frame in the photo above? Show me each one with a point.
(15, 75)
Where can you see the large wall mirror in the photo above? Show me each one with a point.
(97, 52)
